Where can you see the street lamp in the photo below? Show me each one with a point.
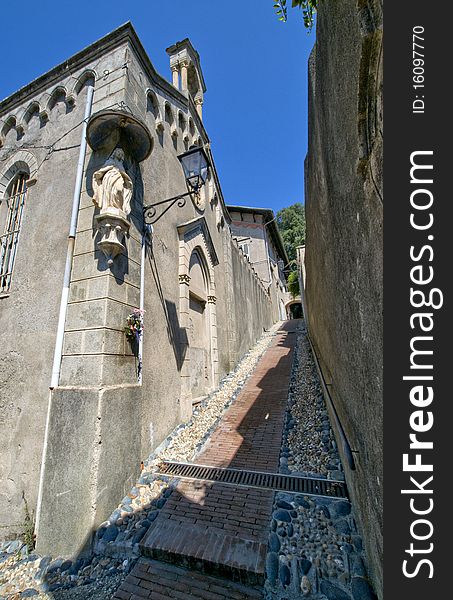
(195, 164)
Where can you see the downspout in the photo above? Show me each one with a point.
(147, 235)
(65, 291)
(71, 241)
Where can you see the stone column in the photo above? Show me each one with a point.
(186, 395)
(184, 82)
(175, 75)
(212, 300)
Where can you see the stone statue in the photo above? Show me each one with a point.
(112, 186)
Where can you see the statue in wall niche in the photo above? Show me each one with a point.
(112, 185)
(112, 188)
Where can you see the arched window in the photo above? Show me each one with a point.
(152, 104)
(168, 114)
(13, 209)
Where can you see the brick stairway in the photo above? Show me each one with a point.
(217, 533)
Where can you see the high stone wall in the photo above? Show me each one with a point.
(344, 241)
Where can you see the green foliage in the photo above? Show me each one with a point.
(291, 223)
(293, 284)
(308, 10)
(28, 525)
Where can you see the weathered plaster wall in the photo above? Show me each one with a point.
(251, 312)
(344, 240)
(28, 315)
(101, 422)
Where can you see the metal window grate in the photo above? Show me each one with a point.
(8, 241)
(273, 481)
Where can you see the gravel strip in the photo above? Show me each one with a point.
(314, 549)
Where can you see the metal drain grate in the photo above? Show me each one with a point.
(256, 479)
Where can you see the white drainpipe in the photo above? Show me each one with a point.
(71, 241)
(65, 292)
(147, 233)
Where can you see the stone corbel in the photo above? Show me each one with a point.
(70, 101)
(159, 125)
(44, 116)
(199, 105)
(112, 226)
(184, 279)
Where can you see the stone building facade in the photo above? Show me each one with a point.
(81, 406)
(343, 253)
(258, 237)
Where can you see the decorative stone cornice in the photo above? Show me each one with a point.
(191, 229)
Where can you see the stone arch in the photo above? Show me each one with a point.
(168, 113)
(182, 123)
(294, 306)
(33, 109)
(57, 95)
(9, 124)
(23, 161)
(197, 307)
(170, 119)
(152, 104)
(191, 127)
(82, 80)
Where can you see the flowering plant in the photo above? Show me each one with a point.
(134, 325)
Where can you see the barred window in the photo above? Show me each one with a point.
(15, 200)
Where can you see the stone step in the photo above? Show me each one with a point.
(219, 554)
(151, 579)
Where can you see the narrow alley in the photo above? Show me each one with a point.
(217, 540)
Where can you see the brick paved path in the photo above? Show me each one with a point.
(218, 529)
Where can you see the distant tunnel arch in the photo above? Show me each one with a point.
(294, 309)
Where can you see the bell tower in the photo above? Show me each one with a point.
(186, 71)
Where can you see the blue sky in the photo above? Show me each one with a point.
(255, 68)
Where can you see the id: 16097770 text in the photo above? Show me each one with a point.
(418, 70)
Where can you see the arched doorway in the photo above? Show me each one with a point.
(294, 309)
(198, 333)
(197, 314)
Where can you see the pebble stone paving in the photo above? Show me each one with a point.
(315, 551)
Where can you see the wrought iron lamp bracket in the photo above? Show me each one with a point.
(151, 214)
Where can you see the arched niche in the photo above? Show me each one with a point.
(198, 319)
